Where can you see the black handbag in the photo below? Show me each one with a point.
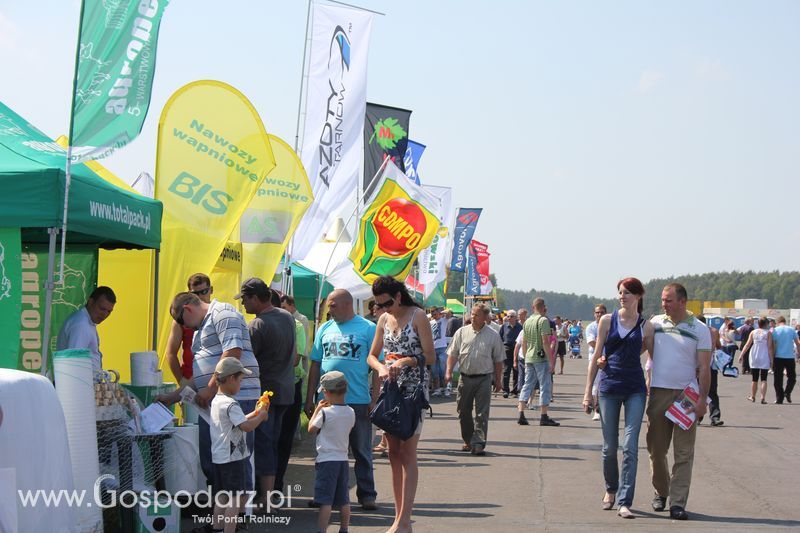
(399, 413)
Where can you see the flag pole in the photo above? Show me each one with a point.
(333, 250)
(68, 164)
(286, 279)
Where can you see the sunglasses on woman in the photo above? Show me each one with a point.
(384, 305)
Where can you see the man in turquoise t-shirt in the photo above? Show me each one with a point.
(343, 344)
(785, 339)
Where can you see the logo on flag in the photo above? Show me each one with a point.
(396, 226)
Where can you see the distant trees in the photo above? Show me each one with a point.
(781, 289)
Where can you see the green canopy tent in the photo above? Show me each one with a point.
(305, 288)
(33, 181)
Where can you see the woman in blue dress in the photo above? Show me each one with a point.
(621, 339)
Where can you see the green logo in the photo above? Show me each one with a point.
(388, 132)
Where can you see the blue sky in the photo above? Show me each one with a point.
(602, 139)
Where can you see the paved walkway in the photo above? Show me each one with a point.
(550, 479)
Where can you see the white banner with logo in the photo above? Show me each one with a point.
(434, 259)
(334, 125)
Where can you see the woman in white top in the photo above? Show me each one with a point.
(762, 354)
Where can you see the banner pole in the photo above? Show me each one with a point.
(68, 179)
(68, 164)
(303, 76)
(286, 284)
(333, 250)
(48, 298)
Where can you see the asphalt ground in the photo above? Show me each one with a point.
(535, 478)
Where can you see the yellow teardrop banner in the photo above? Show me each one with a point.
(274, 213)
(213, 153)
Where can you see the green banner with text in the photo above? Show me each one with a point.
(116, 62)
(10, 296)
(80, 279)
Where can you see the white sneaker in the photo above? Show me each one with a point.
(448, 391)
(596, 416)
(437, 392)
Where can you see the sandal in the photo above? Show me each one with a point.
(607, 505)
(763, 402)
(379, 449)
(750, 398)
(624, 512)
(466, 448)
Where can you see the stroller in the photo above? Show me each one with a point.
(575, 347)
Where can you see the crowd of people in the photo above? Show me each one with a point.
(228, 362)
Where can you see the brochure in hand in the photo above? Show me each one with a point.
(679, 412)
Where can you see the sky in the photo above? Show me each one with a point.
(602, 139)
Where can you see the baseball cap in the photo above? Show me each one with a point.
(229, 366)
(253, 287)
(333, 381)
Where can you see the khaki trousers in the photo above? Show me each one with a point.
(477, 392)
(660, 432)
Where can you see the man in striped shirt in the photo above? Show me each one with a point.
(221, 331)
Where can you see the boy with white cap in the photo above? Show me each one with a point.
(332, 421)
(229, 449)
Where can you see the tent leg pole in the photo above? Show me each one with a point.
(155, 301)
(48, 299)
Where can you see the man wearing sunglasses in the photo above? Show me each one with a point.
(180, 337)
(221, 332)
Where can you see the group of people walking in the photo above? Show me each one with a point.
(229, 362)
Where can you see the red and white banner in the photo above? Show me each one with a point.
(482, 254)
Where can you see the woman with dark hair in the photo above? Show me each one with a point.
(762, 356)
(622, 337)
(404, 334)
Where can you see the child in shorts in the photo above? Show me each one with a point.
(332, 421)
(229, 450)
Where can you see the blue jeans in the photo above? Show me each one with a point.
(537, 373)
(521, 375)
(440, 365)
(267, 435)
(610, 406)
(206, 464)
(361, 446)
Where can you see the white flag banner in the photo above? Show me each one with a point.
(434, 259)
(336, 102)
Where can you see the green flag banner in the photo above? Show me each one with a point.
(10, 296)
(80, 278)
(115, 64)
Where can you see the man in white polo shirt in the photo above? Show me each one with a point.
(681, 354)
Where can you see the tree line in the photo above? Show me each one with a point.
(781, 289)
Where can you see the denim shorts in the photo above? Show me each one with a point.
(231, 476)
(440, 365)
(331, 483)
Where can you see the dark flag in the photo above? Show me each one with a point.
(385, 135)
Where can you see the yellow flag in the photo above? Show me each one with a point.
(213, 153)
(274, 213)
